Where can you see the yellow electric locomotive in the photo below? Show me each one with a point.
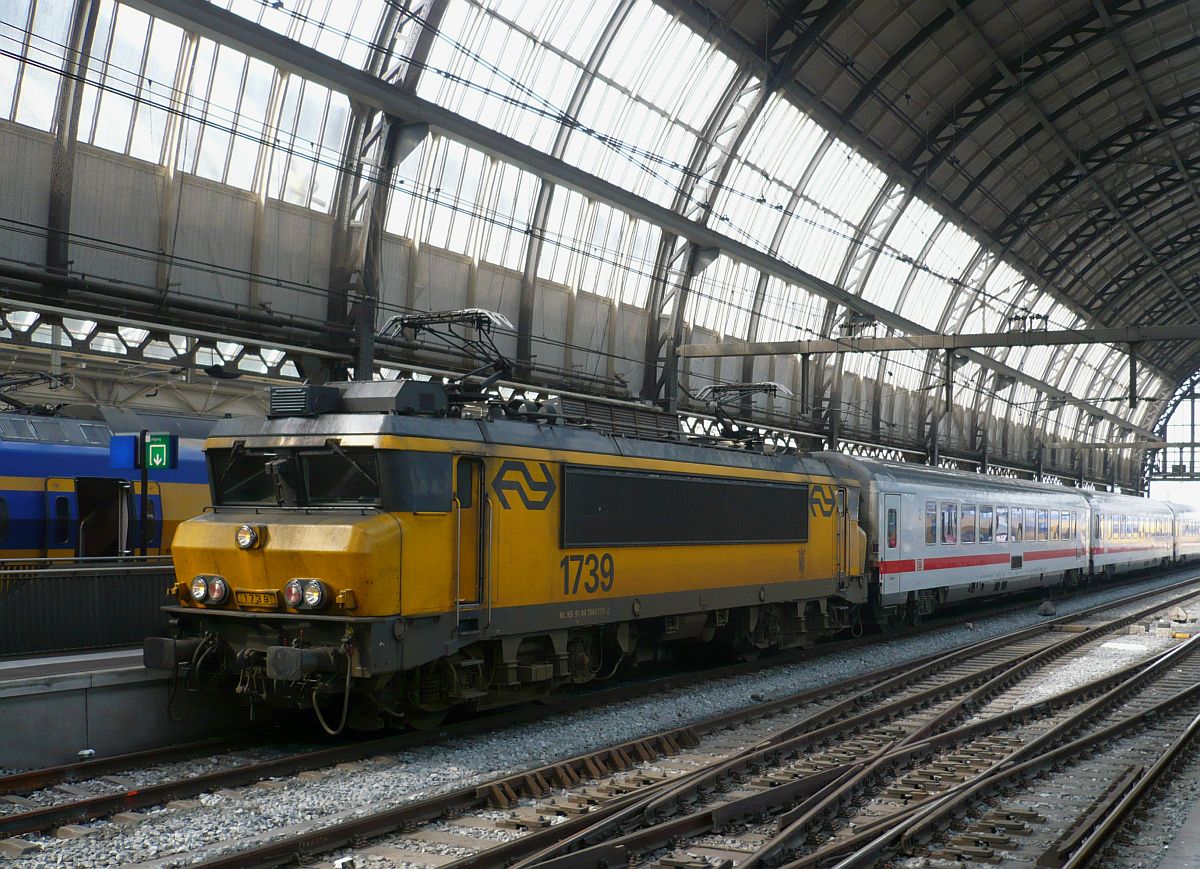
(399, 548)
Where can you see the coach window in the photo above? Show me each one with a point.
(891, 528)
(1054, 529)
(930, 523)
(1043, 524)
(1001, 524)
(949, 522)
(1030, 524)
(985, 523)
(1018, 524)
(1074, 526)
(967, 528)
(62, 519)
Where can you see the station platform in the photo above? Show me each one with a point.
(52, 707)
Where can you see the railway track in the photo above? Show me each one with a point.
(914, 697)
(798, 753)
(42, 799)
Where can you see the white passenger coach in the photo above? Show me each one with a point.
(939, 536)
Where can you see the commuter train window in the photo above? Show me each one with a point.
(62, 519)
(1043, 524)
(1018, 524)
(985, 523)
(1054, 527)
(930, 523)
(949, 522)
(891, 528)
(1001, 524)
(967, 528)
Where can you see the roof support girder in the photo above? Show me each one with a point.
(1030, 338)
(1035, 63)
(1011, 79)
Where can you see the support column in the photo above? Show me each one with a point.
(66, 127)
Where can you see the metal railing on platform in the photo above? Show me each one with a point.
(71, 604)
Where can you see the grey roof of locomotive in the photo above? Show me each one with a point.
(516, 433)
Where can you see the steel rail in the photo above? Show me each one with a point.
(108, 804)
(1114, 687)
(104, 805)
(928, 817)
(466, 799)
(819, 792)
(797, 824)
(1132, 798)
(80, 771)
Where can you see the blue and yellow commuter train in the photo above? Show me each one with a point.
(384, 552)
(60, 497)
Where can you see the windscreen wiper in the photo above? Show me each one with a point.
(333, 446)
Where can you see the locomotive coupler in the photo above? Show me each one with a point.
(290, 664)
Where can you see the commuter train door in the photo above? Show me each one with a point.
(153, 519)
(470, 514)
(103, 504)
(62, 518)
(891, 559)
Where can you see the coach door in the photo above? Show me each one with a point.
(470, 514)
(891, 559)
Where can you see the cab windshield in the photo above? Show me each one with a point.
(295, 477)
(331, 476)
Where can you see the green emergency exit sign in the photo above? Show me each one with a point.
(162, 451)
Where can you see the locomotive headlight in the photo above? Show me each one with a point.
(293, 593)
(199, 589)
(314, 593)
(218, 590)
(246, 537)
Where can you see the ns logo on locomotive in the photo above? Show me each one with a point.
(391, 550)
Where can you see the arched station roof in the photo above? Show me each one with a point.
(946, 166)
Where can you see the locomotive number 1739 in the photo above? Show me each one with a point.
(594, 572)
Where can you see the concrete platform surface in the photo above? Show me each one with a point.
(52, 708)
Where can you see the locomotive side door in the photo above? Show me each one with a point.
(842, 518)
(892, 553)
(469, 563)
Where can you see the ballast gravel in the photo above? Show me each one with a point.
(229, 821)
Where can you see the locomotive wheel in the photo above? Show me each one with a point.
(425, 719)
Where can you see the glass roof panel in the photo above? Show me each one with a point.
(484, 68)
(721, 297)
(775, 153)
(640, 119)
(337, 28)
(903, 247)
(993, 304)
(567, 25)
(789, 313)
(615, 261)
(835, 199)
